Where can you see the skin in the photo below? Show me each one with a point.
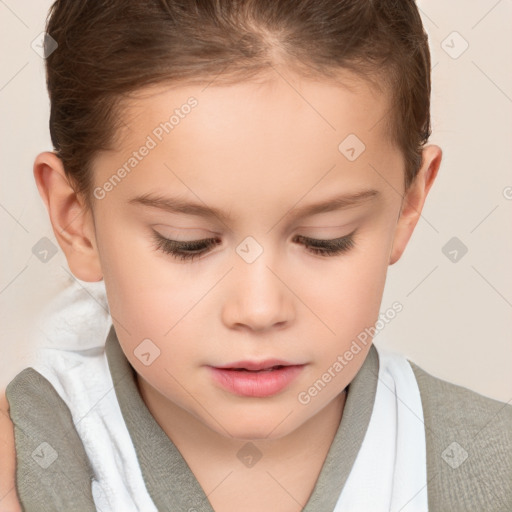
(258, 151)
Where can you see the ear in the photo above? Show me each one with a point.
(72, 222)
(414, 199)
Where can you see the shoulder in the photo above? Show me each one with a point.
(8, 496)
(49, 452)
(35, 404)
(469, 446)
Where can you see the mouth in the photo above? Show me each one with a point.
(278, 367)
(256, 379)
(257, 366)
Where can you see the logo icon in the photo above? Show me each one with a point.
(146, 352)
(454, 250)
(454, 45)
(351, 147)
(249, 249)
(249, 454)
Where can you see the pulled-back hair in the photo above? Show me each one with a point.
(108, 49)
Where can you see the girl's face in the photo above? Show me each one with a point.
(243, 169)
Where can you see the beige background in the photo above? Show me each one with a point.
(456, 322)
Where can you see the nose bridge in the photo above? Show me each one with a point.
(259, 298)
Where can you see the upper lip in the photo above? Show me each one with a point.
(255, 365)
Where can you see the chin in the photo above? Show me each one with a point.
(259, 427)
(256, 434)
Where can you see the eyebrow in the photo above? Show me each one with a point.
(186, 207)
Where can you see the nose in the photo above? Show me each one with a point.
(259, 298)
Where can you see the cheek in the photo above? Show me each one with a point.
(147, 294)
(150, 300)
(347, 297)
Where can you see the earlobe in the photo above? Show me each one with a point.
(71, 221)
(414, 200)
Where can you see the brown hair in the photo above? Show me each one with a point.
(109, 49)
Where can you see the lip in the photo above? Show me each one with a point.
(255, 365)
(257, 379)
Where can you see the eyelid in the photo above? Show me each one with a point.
(184, 244)
(166, 230)
(330, 240)
(209, 240)
(192, 249)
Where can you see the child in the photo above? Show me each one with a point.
(240, 175)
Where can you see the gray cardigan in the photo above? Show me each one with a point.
(468, 441)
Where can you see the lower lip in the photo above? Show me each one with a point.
(256, 384)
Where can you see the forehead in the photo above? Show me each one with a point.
(274, 101)
(331, 104)
(257, 134)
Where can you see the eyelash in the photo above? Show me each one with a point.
(179, 250)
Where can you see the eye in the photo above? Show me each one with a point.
(328, 247)
(184, 250)
(195, 248)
